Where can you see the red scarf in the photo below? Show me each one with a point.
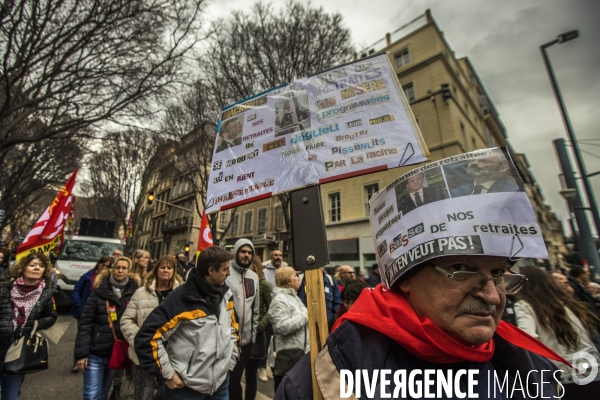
(388, 312)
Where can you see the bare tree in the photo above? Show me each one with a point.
(116, 171)
(254, 52)
(73, 63)
(31, 173)
(190, 123)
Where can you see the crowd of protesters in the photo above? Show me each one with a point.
(235, 316)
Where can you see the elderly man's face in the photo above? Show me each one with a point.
(415, 182)
(487, 168)
(470, 318)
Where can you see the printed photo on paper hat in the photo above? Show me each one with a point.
(417, 218)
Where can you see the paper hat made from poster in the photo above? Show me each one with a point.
(473, 203)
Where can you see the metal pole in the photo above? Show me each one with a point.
(580, 164)
(587, 247)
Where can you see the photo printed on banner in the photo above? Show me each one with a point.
(348, 121)
(430, 212)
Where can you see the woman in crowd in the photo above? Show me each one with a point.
(160, 281)
(82, 290)
(548, 313)
(351, 291)
(25, 298)
(113, 289)
(288, 316)
(259, 350)
(141, 260)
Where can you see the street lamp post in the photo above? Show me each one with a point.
(565, 37)
(585, 241)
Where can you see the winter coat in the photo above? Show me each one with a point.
(44, 312)
(289, 319)
(266, 295)
(142, 303)
(269, 274)
(81, 292)
(332, 294)
(259, 350)
(183, 335)
(527, 321)
(355, 347)
(244, 286)
(94, 335)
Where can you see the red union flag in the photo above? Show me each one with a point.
(47, 232)
(205, 240)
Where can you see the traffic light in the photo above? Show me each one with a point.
(187, 248)
(150, 197)
(446, 94)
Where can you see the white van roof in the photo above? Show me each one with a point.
(95, 239)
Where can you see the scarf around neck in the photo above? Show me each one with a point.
(118, 286)
(389, 313)
(24, 298)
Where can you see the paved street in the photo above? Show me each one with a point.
(59, 383)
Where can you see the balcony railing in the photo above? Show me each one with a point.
(398, 34)
(176, 223)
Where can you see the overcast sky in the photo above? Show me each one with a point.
(502, 39)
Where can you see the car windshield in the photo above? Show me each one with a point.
(80, 250)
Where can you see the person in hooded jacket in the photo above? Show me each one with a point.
(244, 285)
(288, 316)
(25, 300)
(94, 343)
(160, 282)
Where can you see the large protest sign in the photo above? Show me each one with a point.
(444, 208)
(345, 122)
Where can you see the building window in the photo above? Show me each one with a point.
(474, 141)
(235, 224)
(467, 109)
(247, 222)
(278, 218)
(223, 219)
(370, 190)
(262, 220)
(402, 58)
(409, 91)
(335, 207)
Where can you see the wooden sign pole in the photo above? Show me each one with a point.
(310, 251)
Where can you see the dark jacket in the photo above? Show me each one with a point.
(332, 294)
(374, 280)
(503, 184)
(44, 312)
(353, 346)
(94, 335)
(431, 194)
(81, 292)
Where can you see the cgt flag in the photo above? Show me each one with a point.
(47, 232)
(205, 240)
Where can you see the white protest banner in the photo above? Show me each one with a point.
(473, 203)
(345, 122)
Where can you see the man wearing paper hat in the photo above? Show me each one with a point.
(433, 329)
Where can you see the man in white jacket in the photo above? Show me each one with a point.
(244, 285)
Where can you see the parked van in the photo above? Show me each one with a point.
(78, 256)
